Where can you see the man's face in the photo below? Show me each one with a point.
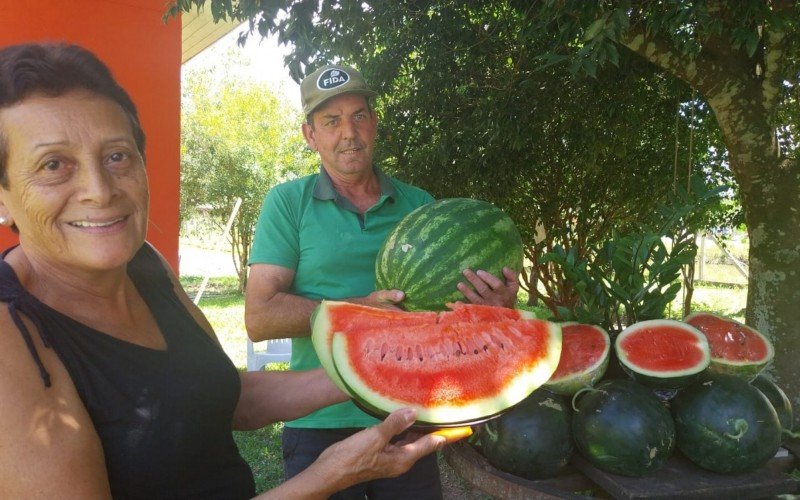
(343, 132)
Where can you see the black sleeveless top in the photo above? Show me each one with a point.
(164, 417)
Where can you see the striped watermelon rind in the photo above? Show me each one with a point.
(570, 384)
(746, 369)
(663, 378)
(426, 252)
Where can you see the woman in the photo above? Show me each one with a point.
(112, 381)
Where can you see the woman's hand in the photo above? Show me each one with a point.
(362, 457)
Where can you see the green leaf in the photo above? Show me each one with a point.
(595, 29)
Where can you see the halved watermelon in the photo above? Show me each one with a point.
(449, 371)
(736, 349)
(584, 358)
(335, 316)
(662, 353)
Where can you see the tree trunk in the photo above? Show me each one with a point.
(770, 191)
(773, 293)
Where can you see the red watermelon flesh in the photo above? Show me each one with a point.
(453, 370)
(473, 313)
(736, 348)
(337, 316)
(667, 349)
(584, 358)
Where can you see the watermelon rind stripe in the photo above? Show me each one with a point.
(663, 379)
(515, 390)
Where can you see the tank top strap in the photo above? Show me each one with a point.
(11, 292)
(145, 265)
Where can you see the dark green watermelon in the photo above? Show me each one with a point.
(778, 398)
(619, 426)
(426, 252)
(726, 425)
(533, 440)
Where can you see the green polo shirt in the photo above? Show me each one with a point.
(306, 226)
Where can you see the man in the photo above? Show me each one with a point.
(317, 238)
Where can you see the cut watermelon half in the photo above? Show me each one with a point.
(584, 358)
(450, 371)
(662, 353)
(736, 349)
(336, 316)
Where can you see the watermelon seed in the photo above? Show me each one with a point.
(419, 352)
(384, 350)
(410, 354)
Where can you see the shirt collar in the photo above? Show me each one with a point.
(324, 189)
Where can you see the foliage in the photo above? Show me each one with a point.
(634, 275)
(238, 140)
(468, 109)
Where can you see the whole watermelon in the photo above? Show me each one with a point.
(533, 440)
(425, 254)
(726, 425)
(619, 426)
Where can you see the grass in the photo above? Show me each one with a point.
(224, 308)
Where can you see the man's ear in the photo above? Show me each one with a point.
(308, 135)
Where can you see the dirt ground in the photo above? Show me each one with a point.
(456, 488)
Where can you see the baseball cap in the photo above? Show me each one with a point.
(330, 81)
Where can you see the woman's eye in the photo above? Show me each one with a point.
(117, 157)
(52, 165)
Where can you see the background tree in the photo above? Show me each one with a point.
(238, 139)
(740, 57)
(743, 58)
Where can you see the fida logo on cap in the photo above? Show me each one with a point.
(332, 78)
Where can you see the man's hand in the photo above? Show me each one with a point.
(385, 299)
(489, 290)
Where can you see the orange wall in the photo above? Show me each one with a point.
(145, 56)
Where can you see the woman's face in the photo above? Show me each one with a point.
(77, 188)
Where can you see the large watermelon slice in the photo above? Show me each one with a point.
(453, 367)
(736, 349)
(584, 358)
(335, 316)
(662, 353)
(426, 252)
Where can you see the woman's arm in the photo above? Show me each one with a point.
(48, 445)
(271, 396)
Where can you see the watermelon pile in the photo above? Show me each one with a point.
(718, 414)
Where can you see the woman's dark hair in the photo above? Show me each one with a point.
(54, 69)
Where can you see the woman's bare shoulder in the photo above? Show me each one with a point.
(47, 440)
